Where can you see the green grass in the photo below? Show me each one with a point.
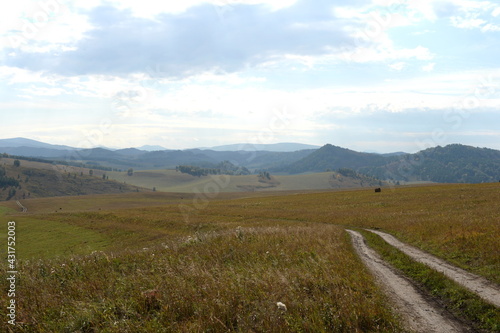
(172, 181)
(45, 239)
(460, 301)
(4, 210)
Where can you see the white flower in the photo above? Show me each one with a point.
(281, 306)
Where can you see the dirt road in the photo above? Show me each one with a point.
(421, 314)
(479, 285)
(24, 209)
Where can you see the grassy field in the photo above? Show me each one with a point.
(217, 263)
(205, 278)
(4, 210)
(172, 181)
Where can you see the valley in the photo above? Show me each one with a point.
(215, 246)
(201, 263)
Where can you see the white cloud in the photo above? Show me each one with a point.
(41, 91)
(490, 27)
(422, 9)
(225, 71)
(429, 67)
(470, 23)
(384, 53)
(150, 9)
(41, 27)
(399, 66)
(475, 15)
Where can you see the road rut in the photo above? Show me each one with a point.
(24, 209)
(485, 289)
(421, 314)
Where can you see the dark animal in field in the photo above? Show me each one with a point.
(378, 189)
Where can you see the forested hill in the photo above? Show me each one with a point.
(22, 179)
(331, 157)
(454, 163)
(450, 164)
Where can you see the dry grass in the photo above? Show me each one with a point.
(289, 248)
(216, 282)
(460, 223)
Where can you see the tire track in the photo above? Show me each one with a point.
(485, 289)
(420, 314)
(24, 209)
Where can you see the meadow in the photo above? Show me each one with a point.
(173, 181)
(134, 261)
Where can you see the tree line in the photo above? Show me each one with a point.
(66, 163)
(223, 168)
(7, 181)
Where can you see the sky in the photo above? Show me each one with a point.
(369, 75)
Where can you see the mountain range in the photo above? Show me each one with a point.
(451, 164)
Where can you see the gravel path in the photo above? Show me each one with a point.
(487, 290)
(420, 313)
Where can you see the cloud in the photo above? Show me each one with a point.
(398, 66)
(194, 41)
(429, 67)
(444, 9)
(475, 15)
(467, 23)
(41, 27)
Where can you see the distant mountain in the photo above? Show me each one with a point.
(36, 152)
(398, 153)
(130, 152)
(151, 148)
(276, 147)
(451, 164)
(22, 142)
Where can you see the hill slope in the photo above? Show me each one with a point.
(22, 142)
(35, 180)
(333, 157)
(276, 147)
(451, 164)
(454, 163)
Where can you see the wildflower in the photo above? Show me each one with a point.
(281, 306)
